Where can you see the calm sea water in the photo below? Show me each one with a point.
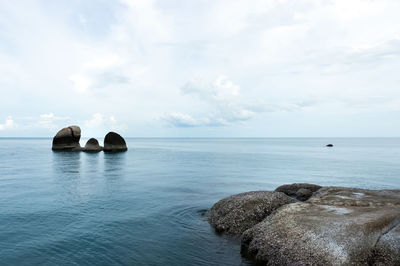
(145, 206)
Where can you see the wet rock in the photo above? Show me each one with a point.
(92, 145)
(291, 189)
(113, 142)
(67, 139)
(329, 145)
(303, 194)
(235, 214)
(337, 226)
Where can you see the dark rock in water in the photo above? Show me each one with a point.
(329, 145)
(291, 190)
(303, 194)
(237, 213)
(67, 139)
(337, 226)
(92, 145)
(113, 142)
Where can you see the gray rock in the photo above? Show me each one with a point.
(341, 196)
(291, 189)
(67, 139)
(387, 249)
(303, 194)
(337, 226)
(113, 142)
(92, 145)
(237, 213)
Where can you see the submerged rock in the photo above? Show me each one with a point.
(237, 213)
(113, 142)
(92, 145)
(67, 139)
(337, 226)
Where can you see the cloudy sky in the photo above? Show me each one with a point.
(204, 68)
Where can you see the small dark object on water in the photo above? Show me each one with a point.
(329, 145)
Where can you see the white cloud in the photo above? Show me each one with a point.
(48, 121)
(98, 120)
(47, 116)
(225, 105)
(81, 83)
(130, 58)
(184, 120)
(8, 124)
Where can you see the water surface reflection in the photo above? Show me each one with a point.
(114, 164)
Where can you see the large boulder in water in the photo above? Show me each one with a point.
(113, 142)
(92, 145)
(67, 139)
(237, 213)
(337, 226)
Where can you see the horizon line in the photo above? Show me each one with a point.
(212, 137)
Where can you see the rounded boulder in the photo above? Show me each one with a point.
(237, 213)
(92, 145)
(113, 142)
(67, 139)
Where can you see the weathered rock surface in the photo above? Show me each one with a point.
(113, 142)
(237, 213)
(387, 249)
(92, 145)
(67, 139)
(303, 194)
(337, 226)
(292, 189)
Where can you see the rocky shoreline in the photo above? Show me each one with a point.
(306, 224)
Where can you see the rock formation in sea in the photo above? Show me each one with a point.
(67, 139)
(113, 142)
(335, 226)
(92, 145)
(329, 145)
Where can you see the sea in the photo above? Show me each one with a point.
(146, 206)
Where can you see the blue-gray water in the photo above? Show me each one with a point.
(144, 207)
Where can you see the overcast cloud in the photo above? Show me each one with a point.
(171, 68)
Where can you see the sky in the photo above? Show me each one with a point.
(204, 68)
